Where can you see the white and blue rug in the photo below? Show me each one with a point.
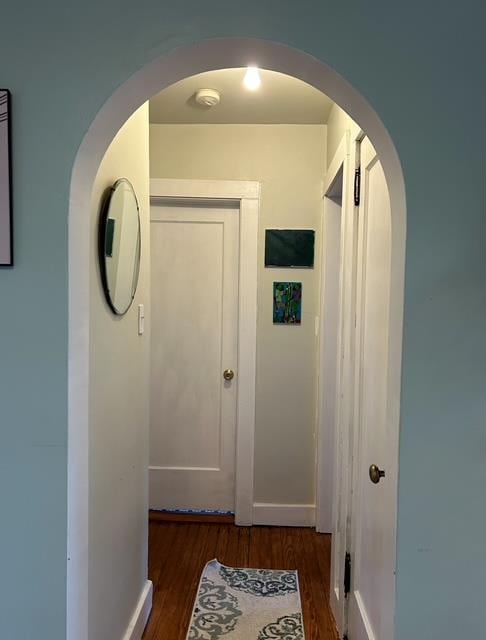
(246, 604)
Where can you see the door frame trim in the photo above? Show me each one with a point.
(328, 503)
(326, 433)
(247, 195)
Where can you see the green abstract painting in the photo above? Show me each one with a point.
(287, 302)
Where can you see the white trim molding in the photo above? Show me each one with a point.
(326, 447)
(140, 616)
(205, 189)
(284, 515)
(247, 195)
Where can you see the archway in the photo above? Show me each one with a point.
(183, 62)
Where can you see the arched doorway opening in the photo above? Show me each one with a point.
(184, 62)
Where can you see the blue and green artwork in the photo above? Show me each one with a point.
(287, 302)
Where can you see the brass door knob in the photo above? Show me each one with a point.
(228, 374)
(376, 474)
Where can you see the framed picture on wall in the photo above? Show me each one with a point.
(287, 302)
(289, 248)
(6, 252)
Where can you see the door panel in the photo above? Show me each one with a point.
(194, 258)
(344, 274)
(332, 337)
(373, 527)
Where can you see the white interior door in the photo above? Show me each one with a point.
(194, 289)
(330, 487)
(373, 517)
(338, 311)
(332, 386)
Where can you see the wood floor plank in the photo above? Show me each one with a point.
(322, 553)
(275, 547)
(227, 552)
(259, 541)
(158, 550)
(168, 577)
(318, 618)
(295, 554)
(288, 547)
(179, 551)
(243, 547)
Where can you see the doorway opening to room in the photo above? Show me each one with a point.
(268, 287)
(233, 444)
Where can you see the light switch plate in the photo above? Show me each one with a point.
(141, 319)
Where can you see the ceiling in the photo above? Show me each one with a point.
(280, 99)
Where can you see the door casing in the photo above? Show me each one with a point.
(330, 328)
(247, 196)
(329, 493)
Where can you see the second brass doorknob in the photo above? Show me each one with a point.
(228, 374)
(376, 474)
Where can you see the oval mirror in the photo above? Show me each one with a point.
(120, 246)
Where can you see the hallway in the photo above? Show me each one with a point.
(178, 552)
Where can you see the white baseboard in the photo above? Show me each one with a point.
(284, 515)
(141, 614)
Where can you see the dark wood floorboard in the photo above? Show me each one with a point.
(178, 552)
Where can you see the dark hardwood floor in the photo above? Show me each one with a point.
(178, 552)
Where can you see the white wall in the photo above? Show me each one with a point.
(290, 162)
(118, 447)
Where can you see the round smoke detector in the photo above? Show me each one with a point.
(208, 97)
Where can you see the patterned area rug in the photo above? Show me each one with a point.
(246, 604)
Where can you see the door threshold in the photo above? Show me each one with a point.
(206, 517)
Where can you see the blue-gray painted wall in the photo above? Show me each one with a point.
(421, 65)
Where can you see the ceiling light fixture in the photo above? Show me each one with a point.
(252, 80)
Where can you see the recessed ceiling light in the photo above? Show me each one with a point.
(252, 80)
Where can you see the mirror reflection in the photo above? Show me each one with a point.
(120, 246)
